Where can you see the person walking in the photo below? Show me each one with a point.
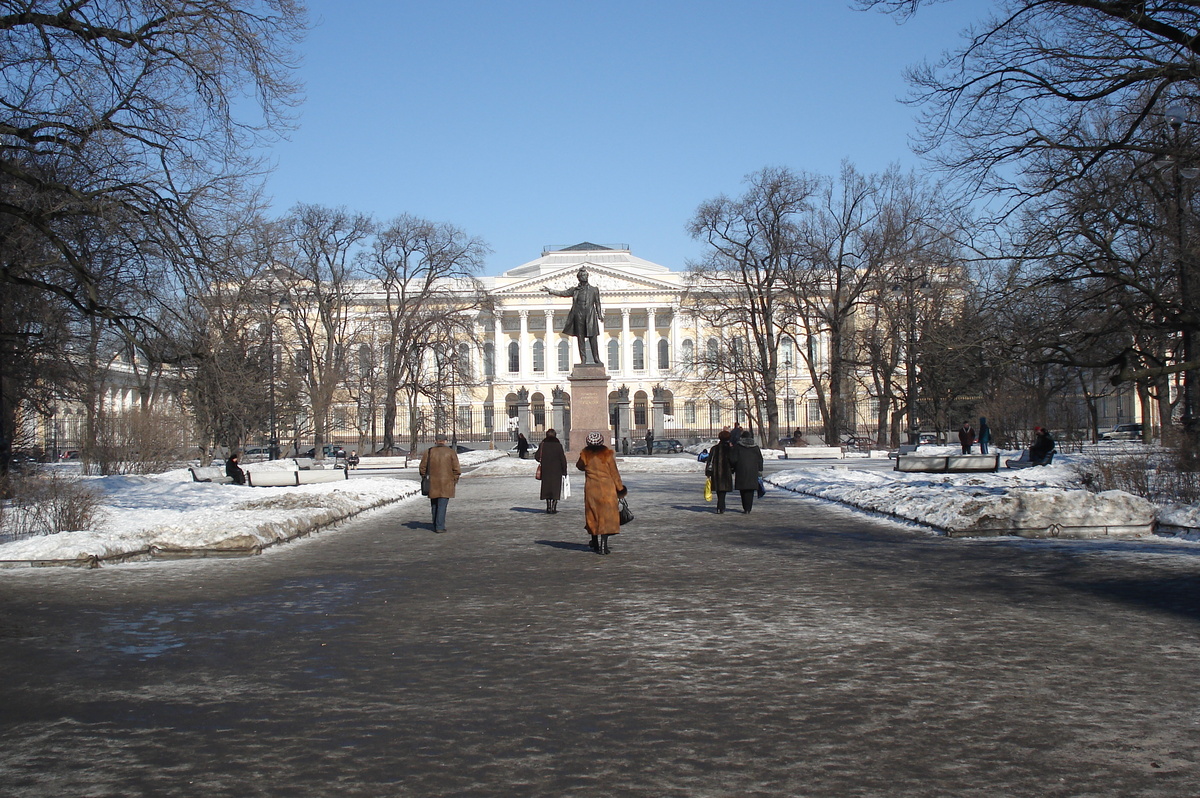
(966, 437)
(736, 433)
(522, 445)
(719, 468)
(649, 441)
(233, 469)
(985, 435)
(747, 468)
(440, 464)
(553, 467)
(602, 488)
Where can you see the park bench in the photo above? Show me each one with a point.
(210, 474)
(947, 463)
(1024, 462)
(812, 452)
(273, 478)
(905, 448)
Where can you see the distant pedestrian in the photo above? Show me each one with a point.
(735, 434)
(553, 467)
(966, 437)
(233, 469)
(352, 460)
(797, 437)
(649, 441)
(719, 468)
(985, 435)
(747, 468)
(440, 463)
(602, 489)
(522, 445)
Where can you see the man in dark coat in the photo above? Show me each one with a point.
(649, 441)
(553, 468)
(719, 468)
(522, 445)
(966, 437)
(1042, 446)
(233, 470)
(747, 468)
(583, 320)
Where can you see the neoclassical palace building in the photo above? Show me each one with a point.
(648, 345)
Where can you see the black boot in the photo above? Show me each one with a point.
(604, 544)
(594, 544)
(548, 507)
(554, 505)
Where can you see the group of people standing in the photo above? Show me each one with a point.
(734, 466)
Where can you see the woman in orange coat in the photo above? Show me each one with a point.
(602, 487)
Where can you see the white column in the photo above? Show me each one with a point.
(673, 337)
(551, 341)
(651, 341)
(499, 358)
(526, 346)
(626, 343)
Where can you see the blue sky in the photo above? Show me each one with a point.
(535, 123)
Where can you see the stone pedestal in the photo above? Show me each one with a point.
(589, 407)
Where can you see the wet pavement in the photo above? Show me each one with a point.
(802, 650)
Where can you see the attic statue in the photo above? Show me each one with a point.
(583, 320)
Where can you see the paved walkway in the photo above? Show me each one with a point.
(803, 650)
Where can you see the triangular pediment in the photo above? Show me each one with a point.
(608, 279)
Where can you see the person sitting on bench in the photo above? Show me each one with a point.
(1042, 448)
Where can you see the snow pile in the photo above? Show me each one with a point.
(1034, 502)
(168, 513)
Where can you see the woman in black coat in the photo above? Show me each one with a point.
(553, 467)
(719, 468)
(747, 468)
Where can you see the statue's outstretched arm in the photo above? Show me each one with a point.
(552, 292)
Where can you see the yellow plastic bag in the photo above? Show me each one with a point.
(708, 489)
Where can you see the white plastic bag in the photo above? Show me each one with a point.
(566, 488)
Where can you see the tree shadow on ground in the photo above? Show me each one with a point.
(562, 544)
(695, 508)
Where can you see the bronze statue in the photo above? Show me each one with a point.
(583, 320)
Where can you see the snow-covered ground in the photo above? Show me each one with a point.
(169, 513)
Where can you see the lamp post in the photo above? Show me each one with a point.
(911, 282)
(1176, 116)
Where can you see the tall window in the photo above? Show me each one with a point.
(639, 412)
(489, 360)
(814, 413)
(639, 354)
(514, 357)
(614, 354)
(787, 352)
(689, 354)
(464, 362)
(539, 356)
(364, 361)
(714, 352)
(689, 412)
(564, 355)
(664, 353)
(714, 415)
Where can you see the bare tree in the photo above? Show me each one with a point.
(739, 285)
(428, 295)
(323, 291)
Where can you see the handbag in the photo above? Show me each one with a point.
(538, 474)
(425, 485)
(762, 488)
(708, 489)
(625, 513)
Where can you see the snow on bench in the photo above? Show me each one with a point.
(210, 474)
(812, 452)
(279, 478)
(947, 463)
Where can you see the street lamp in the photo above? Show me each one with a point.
(910, 283)
(1176, 116)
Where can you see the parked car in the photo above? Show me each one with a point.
(1123, 432)
(533, 447)
(330, 450)
(859, 442)
(663, 446)
(70, 454)
(928, 437)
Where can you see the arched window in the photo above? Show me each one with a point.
(787, 353)
(364, 361)
(489, 360)
(714, 352)
(539, 356)
(639, 354)
(640, 403)
(664, 353)
(614, 355)
(514, 357)
(564, 355)
(464, 362)
(689, 354)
